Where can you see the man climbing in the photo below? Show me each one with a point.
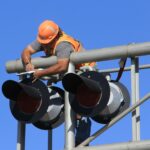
(54, 42)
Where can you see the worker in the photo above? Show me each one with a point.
(54, 42)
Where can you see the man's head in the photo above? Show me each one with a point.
(48, 30)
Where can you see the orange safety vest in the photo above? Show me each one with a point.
(76, 46)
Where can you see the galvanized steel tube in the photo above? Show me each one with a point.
(102, 54)
(69, 119)
(135, 98)
(111, 53)
(143, 145)
(113, 70)
(39, 62)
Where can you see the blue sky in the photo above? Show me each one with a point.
(97, 24)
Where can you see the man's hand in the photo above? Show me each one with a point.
(37, 74)
(29, 67)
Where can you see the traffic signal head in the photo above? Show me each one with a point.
(28, 101)
(34, 102)
(118, 102)
(55, 111)
(88, 92)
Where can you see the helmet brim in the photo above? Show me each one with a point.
(45, 41)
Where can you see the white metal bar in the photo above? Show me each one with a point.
(135, 97)
(21, 130)
(21, 136)
(39, 62)
(69, 119)
(143, 145)
(113, 70)
(102, 54)
(115, 120)
(130, 50)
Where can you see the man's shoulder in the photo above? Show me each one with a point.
(36, 45)
(64, 43)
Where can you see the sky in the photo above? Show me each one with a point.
(97, 24)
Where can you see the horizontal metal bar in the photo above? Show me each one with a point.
(143, 145)
(115, 120)
(102, 54)
(113, 70)
(130, 50)
(39, 62)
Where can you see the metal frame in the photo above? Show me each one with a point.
(135, 98)
(50, 133)
(130, 50)
(115, 120)
(69, 119)
(142, 145)
(21, 131)
(21, 136)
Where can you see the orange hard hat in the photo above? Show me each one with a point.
(48, 30)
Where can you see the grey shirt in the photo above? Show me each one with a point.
(63, 49)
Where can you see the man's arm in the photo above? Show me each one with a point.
(60, 67)
(26, 58)
(63, 51)
(27, 52)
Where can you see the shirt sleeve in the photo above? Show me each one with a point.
(63, 50)
(36, 46)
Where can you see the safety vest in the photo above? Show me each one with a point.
(76, 47)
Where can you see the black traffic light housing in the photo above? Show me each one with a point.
(120, 94)
(91, 95)
(88, 92)
(30, 101)
(55, 112)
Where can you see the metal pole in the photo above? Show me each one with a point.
(115, 120)
(69, 119)
(113, 70)
(21, 130)
(135, 98)
(49, 139)
(111, 53)
(21, 136)
(143, 145)
(39, 62)
(133, 91)
(102, 54)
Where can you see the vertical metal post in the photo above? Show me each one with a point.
(21, 136)
(49, 139)
(135, 98)
(69, 119)
(21, 131)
